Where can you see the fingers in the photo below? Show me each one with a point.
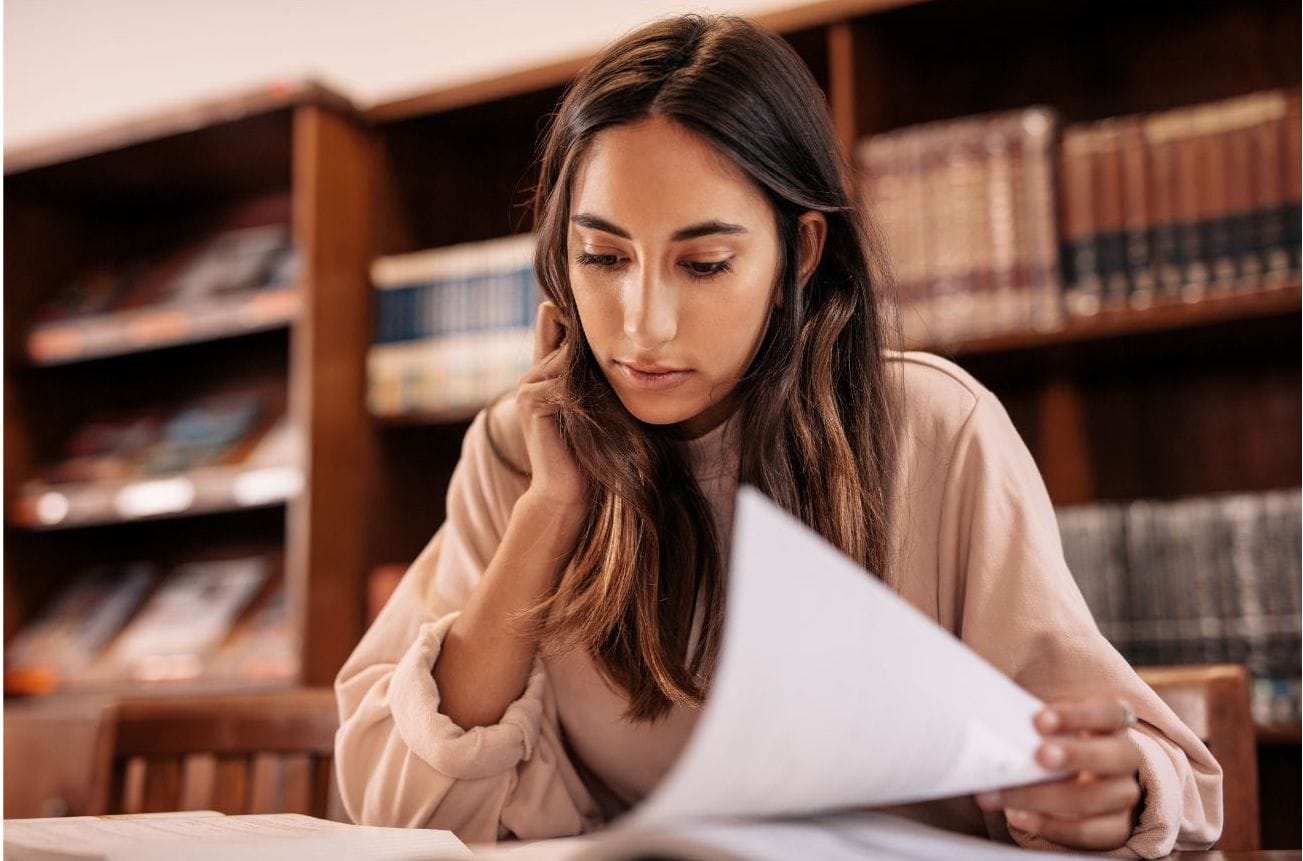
(549, 329)
(1097, 714)
(1097, 833)
(1101, 755)
(1068, 799)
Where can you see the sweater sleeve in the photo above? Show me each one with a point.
(399, 760)
(1017, 605)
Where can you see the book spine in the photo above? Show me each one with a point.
(1188, 210)
(1239, 221)
(1210, 125)
(1159, 133)
(1136, 222)
(1036, 217)
(1293, 179)
(1109, 236)
(1079, 250)
(1008, 294)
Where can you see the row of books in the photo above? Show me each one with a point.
(965, 211)
(1198, 580)
(1010, 221)
(1180, 204)
(235, 280)
(132, 464)
(215, 621)
(454, 326)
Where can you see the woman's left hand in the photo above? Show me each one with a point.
(1096, 808)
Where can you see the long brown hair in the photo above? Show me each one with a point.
(814, 400)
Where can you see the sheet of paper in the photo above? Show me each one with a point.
(856, 836)
(208, 836)
(834, 692)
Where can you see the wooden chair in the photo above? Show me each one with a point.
(1213, 700)
(249, 753)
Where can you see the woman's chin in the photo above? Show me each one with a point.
(655, 411)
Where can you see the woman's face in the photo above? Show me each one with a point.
(673, 254)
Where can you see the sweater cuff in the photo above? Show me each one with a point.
(1155, 835)
(460, 754)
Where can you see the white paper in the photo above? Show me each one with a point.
(856, 836)
(208, 836)
(833, 692)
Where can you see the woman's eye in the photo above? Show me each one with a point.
(601, 261)
(707, 270)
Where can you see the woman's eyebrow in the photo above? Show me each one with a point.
(705, 228)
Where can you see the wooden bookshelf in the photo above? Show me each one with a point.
(1191, 318)
(198, 491)
(292, 153)
(156, 328)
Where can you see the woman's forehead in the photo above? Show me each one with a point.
(655, 171)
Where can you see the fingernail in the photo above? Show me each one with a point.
(1049, 721)
(1020, 818)
(1053, 755)
(989, 799)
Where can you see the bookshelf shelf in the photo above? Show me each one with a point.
(1165, 317)
(442, 417)
(1279, 734)
(199, 491)
(153, 328)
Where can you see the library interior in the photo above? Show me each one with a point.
(246, 335)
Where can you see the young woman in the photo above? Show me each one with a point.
(713, 319)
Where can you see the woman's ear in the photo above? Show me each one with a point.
(812, 230)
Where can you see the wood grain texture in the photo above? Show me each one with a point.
(1213, 700)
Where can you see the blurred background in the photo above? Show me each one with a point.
(264, 262)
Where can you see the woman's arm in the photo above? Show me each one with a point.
(485, 662)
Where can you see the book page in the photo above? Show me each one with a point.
(833, 692)
(208, 836)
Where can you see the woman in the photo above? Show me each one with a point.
(712, 319)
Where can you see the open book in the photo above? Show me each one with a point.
(206, 835)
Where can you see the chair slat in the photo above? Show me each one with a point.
(296, 784)
(162, 783)
(199, 782)
(231, 791)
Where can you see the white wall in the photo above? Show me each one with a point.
(70, 65)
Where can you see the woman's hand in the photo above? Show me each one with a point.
(1097, 807)
(555, 477)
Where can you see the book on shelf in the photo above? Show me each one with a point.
(239, 279)
(176, 633)
(966, 212)
(56, 649)
(262, 649)
(1198, 580)
(1013, 221)
(454, 325)
(1181, 204)
(223, 449)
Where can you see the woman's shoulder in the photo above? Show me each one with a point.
(934, 392)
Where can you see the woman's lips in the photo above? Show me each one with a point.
(653, 381)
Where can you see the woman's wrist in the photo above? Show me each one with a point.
(546, 512)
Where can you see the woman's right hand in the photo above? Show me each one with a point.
(555, 475)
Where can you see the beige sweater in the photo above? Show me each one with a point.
(977, 549)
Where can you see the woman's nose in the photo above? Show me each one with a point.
(651, 316)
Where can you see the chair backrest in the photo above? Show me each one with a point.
(250, 753)
(1213, 700)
